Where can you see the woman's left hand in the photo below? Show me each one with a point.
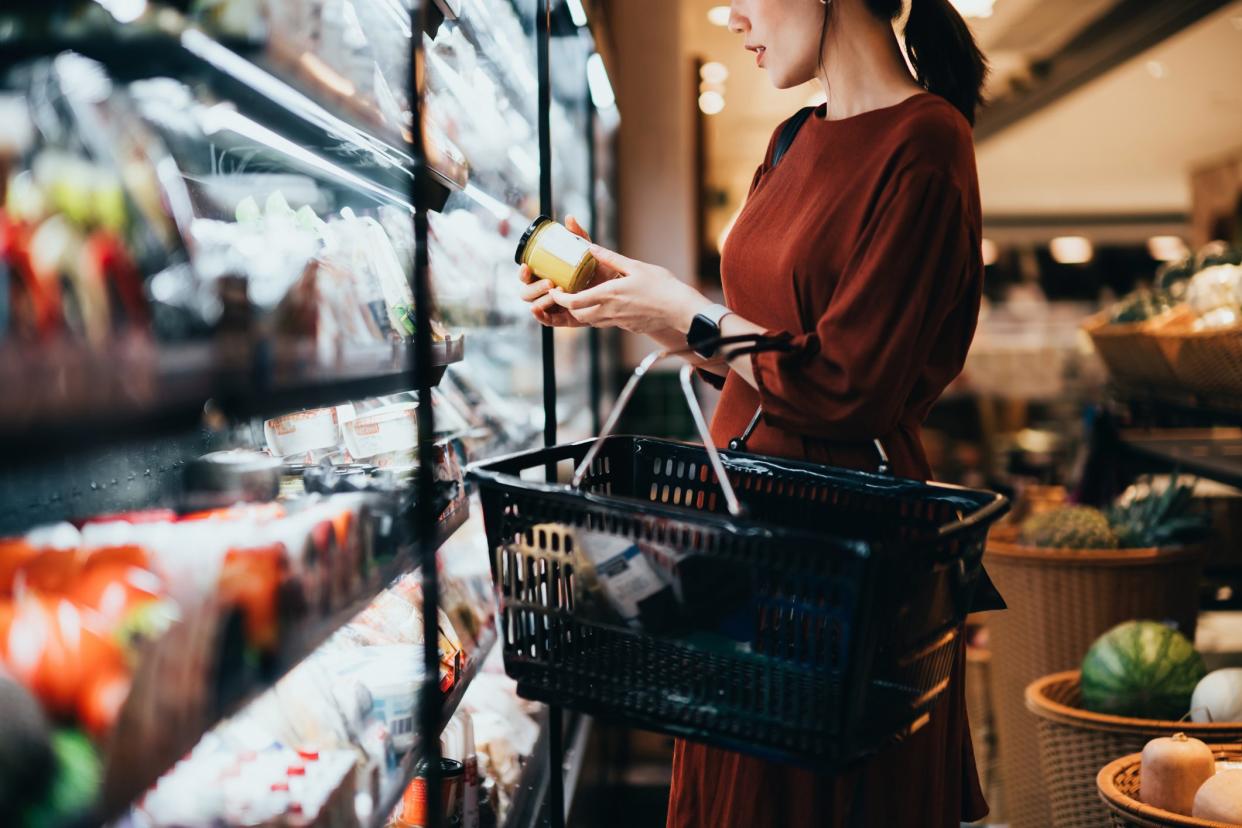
(643, 299)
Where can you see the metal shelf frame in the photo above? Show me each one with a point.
(396, 170)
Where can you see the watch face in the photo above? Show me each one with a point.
(702, 330)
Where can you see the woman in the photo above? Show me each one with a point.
(863, 246)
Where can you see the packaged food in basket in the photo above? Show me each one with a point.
(655, 587)
(616, 582)
(1172, 769)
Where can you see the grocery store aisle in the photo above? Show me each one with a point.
(625, 780)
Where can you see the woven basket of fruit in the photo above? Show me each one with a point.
(1204, 349)
(1126, 341)
(1068, 575)
(1139, 681)
(1176, 781)
(1207, 361)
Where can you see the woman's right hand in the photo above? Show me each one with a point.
(542, 307)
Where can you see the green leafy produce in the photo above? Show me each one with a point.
(1141, 306)
(1159, 518)
(1171, 277)
(1142, 669)
(75, 786)
(1069, 527)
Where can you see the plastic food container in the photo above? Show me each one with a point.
(391, 674)
(554, 253)
(302, 432)
(384, 432)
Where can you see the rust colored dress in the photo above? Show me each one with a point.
(863, 243)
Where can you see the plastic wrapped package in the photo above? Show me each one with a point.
(504, 733)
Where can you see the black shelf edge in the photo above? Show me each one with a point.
(1174, 406)
(451, 9)
(89, 400)
(405, 769)
(1215, 455)
(530, 801)
(302, 642)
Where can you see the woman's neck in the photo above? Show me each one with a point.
(862, 67)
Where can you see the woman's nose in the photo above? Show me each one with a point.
(738, 24)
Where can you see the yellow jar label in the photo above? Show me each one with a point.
(564, 245)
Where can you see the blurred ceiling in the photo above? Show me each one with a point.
(1122, 143)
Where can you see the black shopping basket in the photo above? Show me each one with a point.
(817, 613)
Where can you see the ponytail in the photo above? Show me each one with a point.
(943, 53)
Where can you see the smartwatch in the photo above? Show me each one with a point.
(705, 330)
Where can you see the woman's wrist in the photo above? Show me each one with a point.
(682, 312)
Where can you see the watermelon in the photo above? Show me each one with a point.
(1141, 669)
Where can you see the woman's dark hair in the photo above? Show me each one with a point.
(941, 49)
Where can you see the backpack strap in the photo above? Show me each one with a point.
(789, 132)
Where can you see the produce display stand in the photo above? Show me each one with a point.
(1143, 431)
(1075, 743)
(1118, 784)
(133, 413)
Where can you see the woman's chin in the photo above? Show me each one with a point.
(786, 80)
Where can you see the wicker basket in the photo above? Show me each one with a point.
(980, 713)
(1130, 350)
(1209, 361)
(1118, 784)
(1060, 601)
(1075, 743)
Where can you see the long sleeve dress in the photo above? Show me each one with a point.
(863, 243)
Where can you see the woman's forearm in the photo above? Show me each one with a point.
(673, 340)
(735, 325)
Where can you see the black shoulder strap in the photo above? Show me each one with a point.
(790, 131)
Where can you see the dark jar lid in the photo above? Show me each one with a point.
(539, 221)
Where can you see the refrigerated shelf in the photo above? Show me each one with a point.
(133, 768)
(74, 398)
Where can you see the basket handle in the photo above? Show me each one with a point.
(751, 343)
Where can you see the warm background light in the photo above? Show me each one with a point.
(1071, 249)
(990, 252)
(1167, 248)
(711, 102)
(718, 15)
(714, 72)
(973, 8)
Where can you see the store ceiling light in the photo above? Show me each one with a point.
(718, 15)
(1071, 249)
(714, 72)
(597, 79)
(576, 12)
(711, 103)
(973, 8)
(1167, 248)
(990, 252)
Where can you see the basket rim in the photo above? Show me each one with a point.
(1106, 786)
(1037, 702)
(1098, 324)
(1002, 547)
(1204, 333)
(494, 471)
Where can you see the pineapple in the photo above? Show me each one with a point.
(1152, 518)
(1070, 527)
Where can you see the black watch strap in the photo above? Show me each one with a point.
(705, 330)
